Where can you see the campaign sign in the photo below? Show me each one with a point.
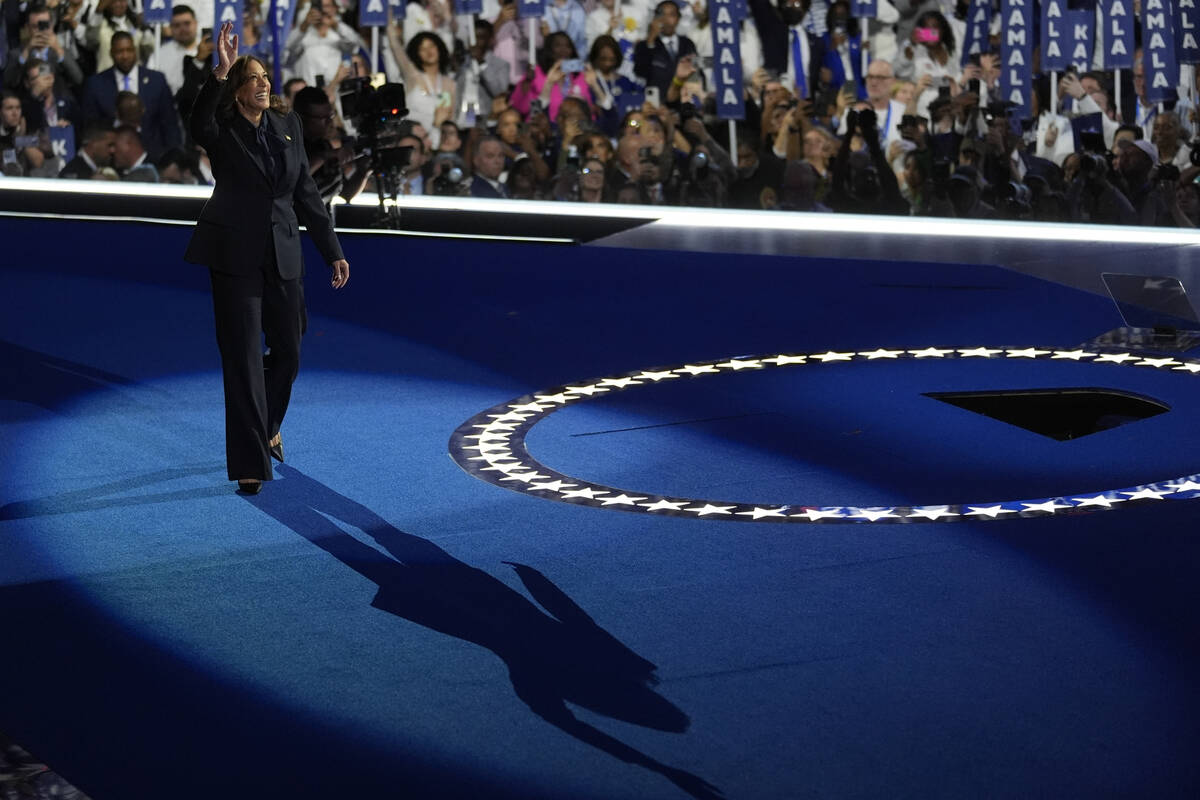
(864, 9)
(1158, 51)
(531, 8)
(1081, 23)
(227, 11)
(468, 6)
(979, 19)
(1016, 55)
(1054, 35)
(282, 13)
(62, 141)
(372, 13)
(157, 12)
(1187, 40)
(1117, 18)
(727, 60)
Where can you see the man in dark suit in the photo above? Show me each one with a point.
(488, 161)
(655, 59)
(160, 126)
(248, 236)
(787, 48)
(95, 153)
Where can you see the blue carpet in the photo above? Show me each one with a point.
(379, 622)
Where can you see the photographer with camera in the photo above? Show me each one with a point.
(331, 156)
(1136, 162)
(863, 183)
(1091, 195)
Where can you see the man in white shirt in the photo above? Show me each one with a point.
(184, 43)
(888, 112)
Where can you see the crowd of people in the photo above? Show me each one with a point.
(616, 105)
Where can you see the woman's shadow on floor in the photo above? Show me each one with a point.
(552, 657)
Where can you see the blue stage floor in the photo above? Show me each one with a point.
(380, 622)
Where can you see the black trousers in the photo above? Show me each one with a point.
(249, 309)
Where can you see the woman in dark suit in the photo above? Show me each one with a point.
(248, 237)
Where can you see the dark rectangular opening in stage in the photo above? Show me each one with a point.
(1061, 414)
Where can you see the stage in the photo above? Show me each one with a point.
(603, 507)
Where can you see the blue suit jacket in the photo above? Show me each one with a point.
(160, 125)
(481, 188)
(247, 205)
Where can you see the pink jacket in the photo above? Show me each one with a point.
(523, 94)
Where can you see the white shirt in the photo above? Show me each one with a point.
(133, 80)
(169, 61)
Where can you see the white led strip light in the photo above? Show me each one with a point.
(491, 446)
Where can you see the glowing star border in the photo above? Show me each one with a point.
(491, 446)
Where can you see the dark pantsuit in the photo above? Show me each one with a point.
(257, 387)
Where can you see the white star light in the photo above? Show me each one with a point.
(1098, 500)
(821, 513)
(588, 493)
(736, 365)
(1048, 506)
(1157, 362)
(881, 353)
(782, 360)
(1189, 366)
(621, 500)
(619, 383)
(488, 436)
(1115, 358)
(979, 352)
(588, 390)
(759, 513)
(664, 505)
(1027, 352)
(930, 352)
(1187, 486)
(932, 512)
(1074, 355)
(692, 369)
(711, 509)
(1146, 494)
(553, 486)
(874, 514)
(561, 397)
(532, 407)
(656, 376)
(988, 511)
(510, 417)
(526, 477)
(496, 426)
(485, 449)
(832, 356)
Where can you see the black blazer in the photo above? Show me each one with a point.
(160, 125)
(655, 66)
(246, 205)
(776, 44)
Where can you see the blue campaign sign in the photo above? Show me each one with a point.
(468, 6)
(979, 20)
(372, 13)
(1054, 35)
(62, 140)
(864, 9)
(1187, 48)
(531, 8)
(727, 60)
(1158, 51)
(740, 9)
(227, 11)
(1016, 55)
(157, 12)
(1082, 25)
(1117, 18)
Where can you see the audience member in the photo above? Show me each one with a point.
(160, 128)
(94, 153)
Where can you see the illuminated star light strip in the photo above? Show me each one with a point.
(491, 446)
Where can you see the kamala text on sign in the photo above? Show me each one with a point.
(1017, 54)
(1158, 37)
(1187, 44)
(1054, 31)
(1118, 34)
(727, 61)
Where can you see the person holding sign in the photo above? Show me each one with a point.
(788, 49)
(430, 88)
(248, 237)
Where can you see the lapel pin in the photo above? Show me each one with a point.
(287, 137)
